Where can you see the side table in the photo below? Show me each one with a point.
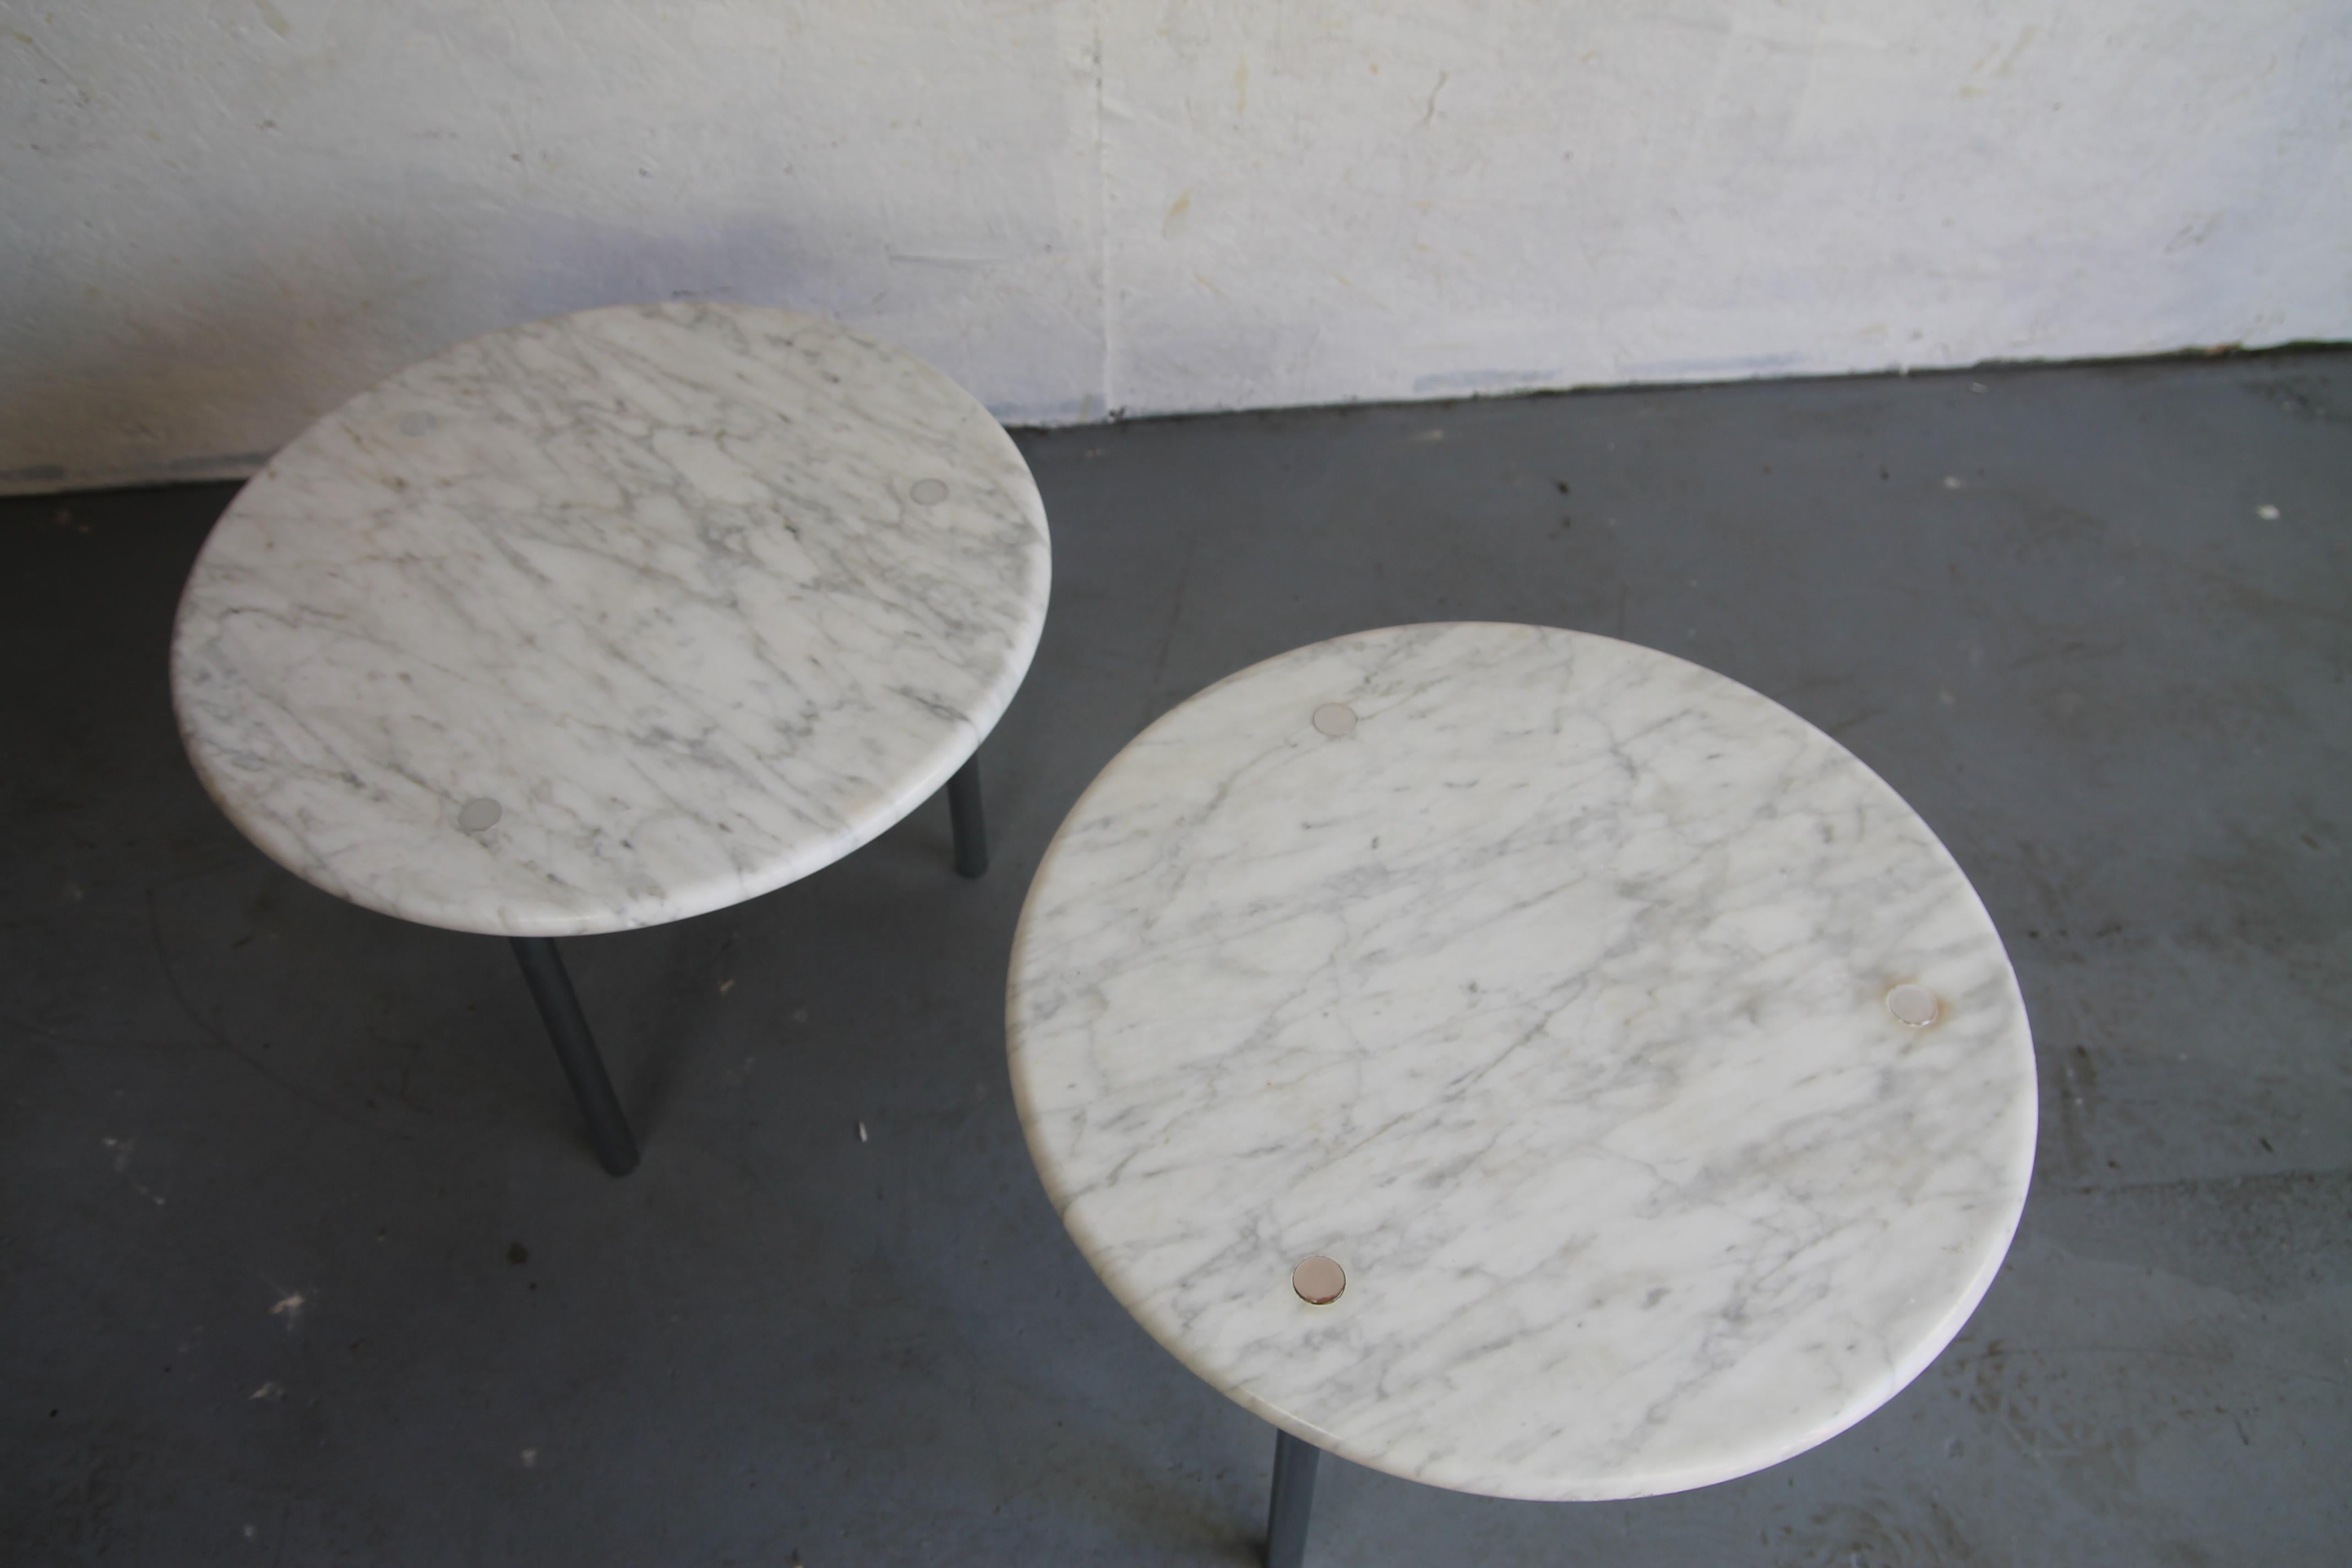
(608, 620)
(1520, 1061)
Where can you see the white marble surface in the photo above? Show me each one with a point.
(1550, 999)
(704, 597)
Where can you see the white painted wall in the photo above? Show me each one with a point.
(220, 217)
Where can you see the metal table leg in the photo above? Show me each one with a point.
(1293, 1500)
(567, 1026)
(971, 828)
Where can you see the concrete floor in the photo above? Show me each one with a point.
(302, 1260)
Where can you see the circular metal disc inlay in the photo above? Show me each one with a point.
(1319, 1281)
(1335, 719)
(480, 814)
(1913, 1004)
(930, 493)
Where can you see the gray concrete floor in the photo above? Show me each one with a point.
(302, 1260)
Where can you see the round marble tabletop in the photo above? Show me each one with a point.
(1653, 1077)
(611, 619)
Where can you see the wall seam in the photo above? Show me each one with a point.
(1108, 310)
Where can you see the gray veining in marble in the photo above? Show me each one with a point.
(1550, 998)
(701, 596)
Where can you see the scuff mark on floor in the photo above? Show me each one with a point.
(121, 1148)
